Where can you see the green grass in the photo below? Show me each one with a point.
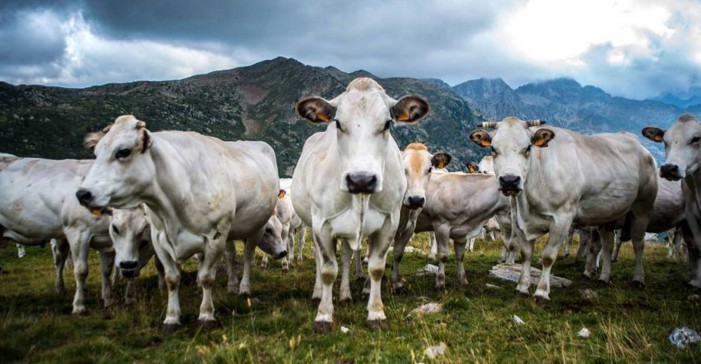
(275, 325)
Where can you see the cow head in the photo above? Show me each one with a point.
(131, 239)
(511, 144)
(682, 143)
(272, 242)
(123, 170)
(361, 118)
(418, 165)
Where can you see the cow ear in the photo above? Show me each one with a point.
(542, 137)
(653, 133)
(410, 109)
(441, 160)
(145, 140)
(481, 137)
(281, 194)
(316, 110)
(91, 140)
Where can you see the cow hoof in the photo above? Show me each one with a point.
(208, 325)
(542, 301)
(170, 328)
(285, 270)
(80, 311)
(524, 294)
(244, 294)
(322, 327)
(345, 301)
(378, 324)
(605, 282)
(638, 284)
(440, 288)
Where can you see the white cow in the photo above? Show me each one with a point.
(37, 204)
(200, 192)
(131, 238)
(349, 184)
(292, 227)
(457, 207)
(591, 180)
(682, 162)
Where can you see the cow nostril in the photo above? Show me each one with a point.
(128, 264)
(84, 196)
(509, 180)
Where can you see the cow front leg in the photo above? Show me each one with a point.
(300, 243)
(106, 266)
(432, 246)
(79, 244)
(556, 236)
(316, 294)
(378, 246)
(172, 279)
(232, 283)
(326, 247)
(524, 280)
(459, 246)
(442, 241)
(400, 243)
(346, 255)
(206, 275)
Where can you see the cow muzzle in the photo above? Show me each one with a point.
(670, 172)
(87, 199)
(361, 182)
(129, 268)
(510, 185)
(415, 202)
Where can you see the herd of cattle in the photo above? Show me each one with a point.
(177, 194)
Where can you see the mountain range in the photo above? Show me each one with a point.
(257, 103)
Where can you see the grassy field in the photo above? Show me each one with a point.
(275, 324)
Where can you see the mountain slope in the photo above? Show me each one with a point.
(254, 102)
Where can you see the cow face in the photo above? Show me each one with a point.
(131, 239)
(418, 165)
(682, 143)
(272, 242)
(511, 145)
(360, 119)
(123, 170)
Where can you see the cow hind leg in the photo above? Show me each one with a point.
(248, 250)
(432, 246)
(606, 234)
(346, 255)
(232, 284)
(442, 241)
(60, 250)
(639, 225)
(593, 247)
(206, 275)
(398, 253)
(300, 243)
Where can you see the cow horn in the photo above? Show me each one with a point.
(489, 124)
(140, 124)
(536, 122)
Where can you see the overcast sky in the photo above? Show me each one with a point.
(631, 48)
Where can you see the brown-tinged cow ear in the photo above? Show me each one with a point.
(91, 140)
(472, 167)
(653, 133)
(316, 110)
(281, 194)
(441, 160)
(410, 109)
(146, 140)
(542, 137)
(481, 137)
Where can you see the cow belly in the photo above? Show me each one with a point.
(604, 210)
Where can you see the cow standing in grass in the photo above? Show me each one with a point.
(556, 177)
(349, 184)
(683, 162)
(202, 190)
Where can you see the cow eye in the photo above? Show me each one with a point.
(429, 170)
(527, 150)
(494, 151)
(114, 229)
(388, 124)
(338, 125)
(695, 140)
(122, 153)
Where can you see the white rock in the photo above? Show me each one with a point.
(435, 351)
(428, 309)
(584, 332)
(517, 320)
(492, 286)
(427, 269)
(344, 329)
(681, 337)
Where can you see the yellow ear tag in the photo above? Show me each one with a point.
(403, 117)
(658, 138)
(323, 117)
(539, 143)
(472, 169)
(96, 212)
(485, 142)
(281, 194)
